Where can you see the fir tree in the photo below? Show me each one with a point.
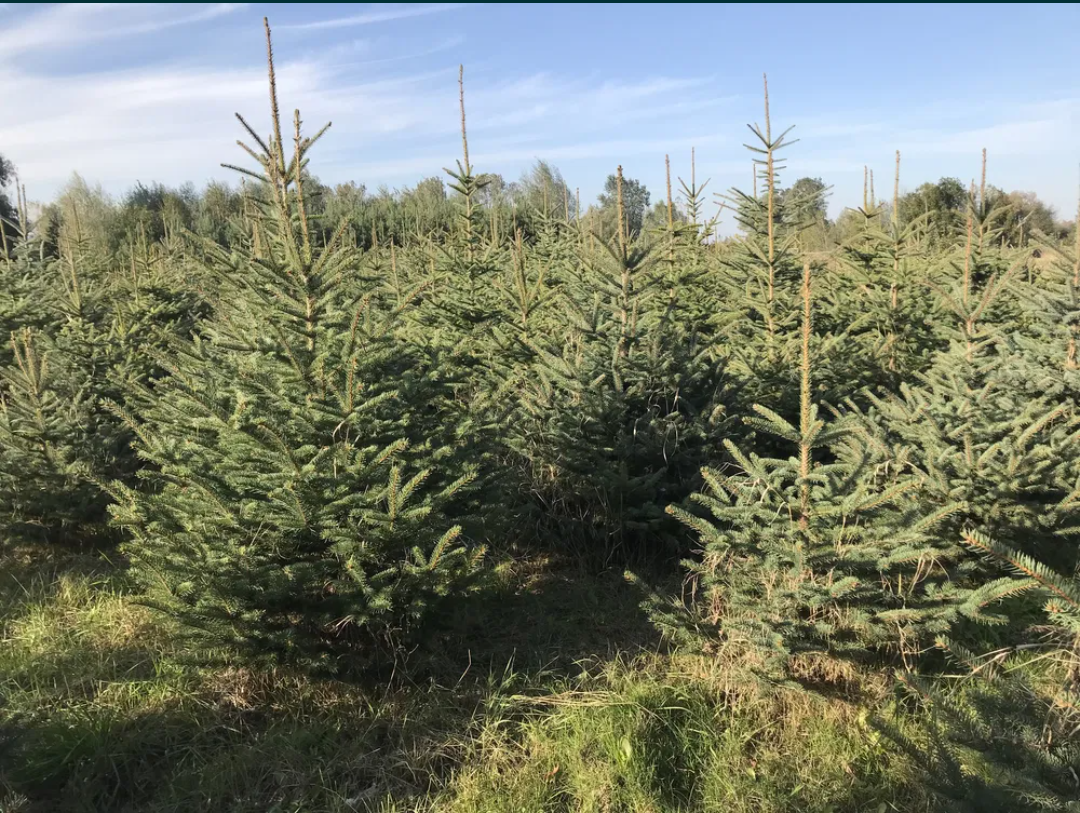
(27, 280)
(822, 552)
(72, 352)
(886, 266)
(1049, 337)
(614, 407)
(462, 304)
(1001, 740)
(688, 267)
(762, 276)
(757, 314)
(1009, 455)
(284, 512)
(54, 439)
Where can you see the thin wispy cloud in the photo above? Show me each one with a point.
(175, 124)
(340, 57)
(826, 129)
(370, 17)
(75, 24)
(1006, 138)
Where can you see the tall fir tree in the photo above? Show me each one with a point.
(284, 513)
(1009, 455)
(819, 554)
(614, 405)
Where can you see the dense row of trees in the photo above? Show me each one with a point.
(414, 214)
(305, 414)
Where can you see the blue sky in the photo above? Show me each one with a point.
(123, 93)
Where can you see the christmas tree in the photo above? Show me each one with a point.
(283, 511)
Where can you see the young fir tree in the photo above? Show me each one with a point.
(1008, 454)
(761, 277)
(1003, 737)
(524, 293)
(462, 303)
(1049, 337)
(613, 407)
(154, 294)
(54, 438)
(882, 282)
(821, 552)
(284, 513)
(28, 276)
(58, 438)
(684, 260)
(757, 318)
(451, 332)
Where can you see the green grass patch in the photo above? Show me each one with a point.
(102, 709)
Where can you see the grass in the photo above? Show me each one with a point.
(662, 735)
(551, 696)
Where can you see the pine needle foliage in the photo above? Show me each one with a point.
(53, 439)
(283, 513)
(973, 432)
(81, 334)
(613, 406)
(889, 267)
(1004, 738)
(305, 407)
(821, 552)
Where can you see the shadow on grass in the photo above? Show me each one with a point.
(262, 743)
(198, 754)
(543, 616)
(100, 710)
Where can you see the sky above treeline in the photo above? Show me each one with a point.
(123, 93)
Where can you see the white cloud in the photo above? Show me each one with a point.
(511, 154)
(372, 17)
(74, 24)
(175, 124)
(1005, 138)
(337, 54)
(821, 128)
(172, 123)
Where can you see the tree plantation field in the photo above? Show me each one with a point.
(475, 497)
